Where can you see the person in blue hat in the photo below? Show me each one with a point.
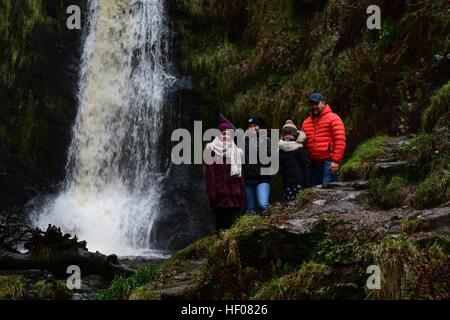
(326, 140)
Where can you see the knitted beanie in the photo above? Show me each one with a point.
(289, 128)
(224, 125)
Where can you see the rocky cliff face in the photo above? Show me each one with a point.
(39, 65)
(266, 57)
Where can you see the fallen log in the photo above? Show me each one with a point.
(89, 263)
(55, 252)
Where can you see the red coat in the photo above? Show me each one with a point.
(325, 136)
(224, 191)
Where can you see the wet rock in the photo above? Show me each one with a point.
(176, 288)
(18, 182)
(351, 196)
(290, 241)
(388, 157)
(176, 292)
(398, 143)
(360, 184)
(92, 283)
(301, 226)
(334, 185)
(391, 163)
(319, 202)
(342, 198)
(435, 218)
(393, 225)
(174, 229)
(400, 167)
(135, 263)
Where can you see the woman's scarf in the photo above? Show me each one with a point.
(230, 151)
(292, 145)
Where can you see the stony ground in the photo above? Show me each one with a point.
(357, 233)
(345, 209)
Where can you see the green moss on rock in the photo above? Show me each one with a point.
(304, 198)
(439, 108)
(389, 193)
(124, 287)
(53, 290)
(306, 283)
(11, 287)
(411, 271)
(413, 225)
(433, 191)
(361, 161)
(145, 293)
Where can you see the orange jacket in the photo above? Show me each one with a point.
(325, 136)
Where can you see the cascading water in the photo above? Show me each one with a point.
(111, 195)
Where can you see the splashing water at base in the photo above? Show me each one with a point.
(115, 171)
(106, 220)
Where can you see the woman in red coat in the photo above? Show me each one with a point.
(224, 180)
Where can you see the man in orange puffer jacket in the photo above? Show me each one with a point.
(325, 142)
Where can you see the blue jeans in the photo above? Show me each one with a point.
(257, 197)
(321, 173)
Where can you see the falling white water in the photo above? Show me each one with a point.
(114, 170)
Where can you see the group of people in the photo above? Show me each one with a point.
(308, 157)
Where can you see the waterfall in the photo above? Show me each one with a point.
(115, 169)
